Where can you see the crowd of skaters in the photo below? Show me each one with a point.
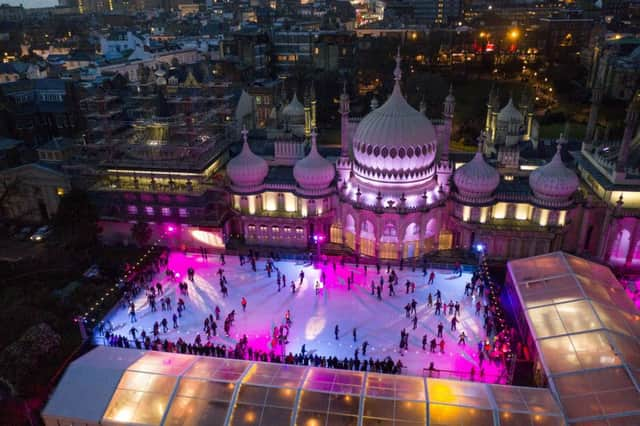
(474, 289)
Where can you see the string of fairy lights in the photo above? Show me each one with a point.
(90, 315)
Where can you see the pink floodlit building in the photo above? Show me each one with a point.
(393, 189)
(399, 192)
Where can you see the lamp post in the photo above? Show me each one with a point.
(318, 240)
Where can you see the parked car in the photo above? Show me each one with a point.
(41, 234)
(23, 233)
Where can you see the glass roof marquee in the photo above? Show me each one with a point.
(587, 331)
(156, 388)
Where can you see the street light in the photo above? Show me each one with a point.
(318, 240)
(514, 34)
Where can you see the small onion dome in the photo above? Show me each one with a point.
(294, 111)
(247, 169)
(476, 179)
(510, 113)
(313, 171)
(553, 181)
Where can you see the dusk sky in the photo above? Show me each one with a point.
(32, 3)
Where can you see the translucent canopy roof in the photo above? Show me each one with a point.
(154, 388)
(587, 332)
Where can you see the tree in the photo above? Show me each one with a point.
(141, 233)
(76, 220)
(9, 187)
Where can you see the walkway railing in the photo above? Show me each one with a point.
(465, 375)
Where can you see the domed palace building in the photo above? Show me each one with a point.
(393, 190)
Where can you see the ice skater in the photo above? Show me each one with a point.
(336, 331)
(132, 312)
(354, 334)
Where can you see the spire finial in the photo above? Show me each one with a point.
(245, 133)
(451, 89)
(314, 136)
(397, 73)
(481, 140)
(344, 86)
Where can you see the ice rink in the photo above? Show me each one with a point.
(315, 316)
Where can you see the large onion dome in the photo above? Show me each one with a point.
(294, 111)
(247, 169)
(510, 113)
(554, 182)
(476, 180)
(394, 140)
(314, 171)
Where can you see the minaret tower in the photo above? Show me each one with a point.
(343, 164)
(313, 106)
(490, 102)
(449, 107)
(631, 122)
(307, 115)
(344, 121)
(596, 100)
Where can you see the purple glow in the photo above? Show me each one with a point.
(314, 327)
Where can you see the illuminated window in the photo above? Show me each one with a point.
(270, 201)
(522, 212)
(182, 212)
(60, 191)
(263, 228)
(149, 211)
(562, 217)
(132, 210)
(275, 229)
(251, 228)
(316, 51)
(367, 247)
(287, 229)
(544, 217)
(500, 211)
(252, 204)
(289, 202)
(299, 230)
(466, 213)
(166, 211)
(483, 214)
(336, 234)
